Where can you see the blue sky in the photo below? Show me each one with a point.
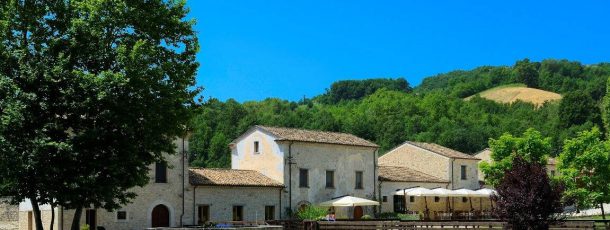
(251, 50)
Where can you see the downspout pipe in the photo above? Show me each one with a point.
(290, 177)
(183, 178)
(375, 177)
(194, 200)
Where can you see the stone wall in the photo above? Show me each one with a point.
(9, 215)
(221, 199)
(344, 160)
(422, 160)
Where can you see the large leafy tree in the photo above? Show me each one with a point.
(527, 198)
(605, 109)
(91, 93)
(527, 72)
(585, 169)
(531, 147)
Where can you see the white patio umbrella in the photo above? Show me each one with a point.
(348, 201)
(443, 192)
(419, 191)
(401, 192)
(466, 193)
(486, 192)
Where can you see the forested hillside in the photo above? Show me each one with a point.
(389, 111)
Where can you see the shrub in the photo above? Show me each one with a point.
(84, 227)
(527, 199)
(366, 217)
(311, 213)
(398, 216)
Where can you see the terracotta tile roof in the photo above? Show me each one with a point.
(404, 174)
(442, 150)
(291, 134)
(230, 177)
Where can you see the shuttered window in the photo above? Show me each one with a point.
(160, 173)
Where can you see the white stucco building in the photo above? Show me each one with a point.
(314, 166)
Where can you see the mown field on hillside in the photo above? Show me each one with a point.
(514, 92)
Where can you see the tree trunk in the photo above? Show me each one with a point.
(52, 217)
(76, 220)
(601, 205)
(36, 211)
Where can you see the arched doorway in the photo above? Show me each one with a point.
(160, 216)
(358, 212)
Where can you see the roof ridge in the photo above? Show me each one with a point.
(303, 129)
(422, 145)
(226, 169)
(409, 168)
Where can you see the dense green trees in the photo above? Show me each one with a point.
(356, 89)
(91, 94)
(584, 164)
(531, 147)
(527, 72)
(434, 111)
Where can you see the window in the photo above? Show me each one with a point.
(399, 204)
(121, 215)
(330, 179)
(256, 149)
(359, 180)
(269, 212)
(463, 172)
(238, 213)
(303, 178)
(203, 214)
(464, 199)
(412, 199)
(160, 173)
(384, 199)
(437, 199)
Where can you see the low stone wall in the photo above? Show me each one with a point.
(9, 215)
(270, 227)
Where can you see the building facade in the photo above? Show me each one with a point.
(460, 169)
(314, 166)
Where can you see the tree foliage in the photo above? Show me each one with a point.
(531, 147)
(356, 89)
(527, 72)
(527, 198)
(96, 89)
(434, 111)
(585, 168)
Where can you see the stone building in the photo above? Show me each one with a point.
(314, 166)
(460, 169)
(426, 165)
(395, 178)
(9, 215)
(485, 156)
(274, 171)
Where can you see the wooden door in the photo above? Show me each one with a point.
(357, 212)
(160, 216)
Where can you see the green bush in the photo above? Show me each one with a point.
(84, 227)
(408, 217)
(311, 213)
(398, 216)
(388, 215)
(366, 217)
